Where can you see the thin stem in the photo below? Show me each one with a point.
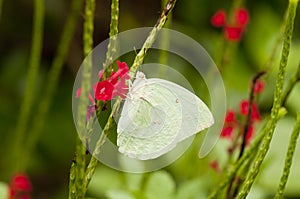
(276, 104)
(231, 172)
(133, 69)
(111, 50)
(288, 159)
(53, 76)
(248, 119)
(80, 163)
(34, 64)
(112, 45)
(164, 42)
(293, 81)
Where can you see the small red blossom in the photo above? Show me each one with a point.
(215, 166)
(230, 117)
(249, 134)
(233, 33)
(259, 87)
(21, 182)
(20, 187)
(104, 90)
(219, 19)
(227, 132)
(244, 106)
(115, 85)
(241, 17)
(123, 70)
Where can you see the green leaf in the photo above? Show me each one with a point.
(160, 185)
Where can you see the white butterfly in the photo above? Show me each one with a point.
(157, 114)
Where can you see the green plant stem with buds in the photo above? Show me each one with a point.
(293, 81)
(276, 104)
(288, 159)
(52, 78)
(34, 64)
(133, 69)
(78, 166)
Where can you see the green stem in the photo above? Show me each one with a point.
(293, 81)
(53, 76)
(164, 42)
(288, 159)
(133, 69)
(34, 63)
(80, 163)
(231, 172)
(112, 45)
(277, 101)
(111, 50)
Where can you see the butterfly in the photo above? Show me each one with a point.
(156, 115)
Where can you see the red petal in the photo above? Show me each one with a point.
(215, 166)
(100, 74)
(78, 92)
(242, 17)
(230, 117)
(219, 19)
(249, 134)
(123, 69)
(255, 113)
(259, 86)
(104, 90)
(233, 33)
(21, 182)
(244, 106)
(227, 132)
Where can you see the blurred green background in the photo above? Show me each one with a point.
(52, 158)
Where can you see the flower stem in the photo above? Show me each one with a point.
(112, 45)
(80, 161)
(293, 81)
(137, 62)
(52, 79)
(276, 104)
(34, 64)
(288, 159)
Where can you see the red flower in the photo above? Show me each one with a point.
(230, 117)
(244, 106)
(123, 70)
(241, 17)
(121, 87)
(21, 182)
(20, 187)
(115, 85)
(233, 33)
(219, 19)
(227, 132)
(104, 90)
(249, 134)
(259, 86)
(215, 166)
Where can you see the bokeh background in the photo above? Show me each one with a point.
(193, 178)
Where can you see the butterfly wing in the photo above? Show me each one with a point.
(195, 114)
(149, 122)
